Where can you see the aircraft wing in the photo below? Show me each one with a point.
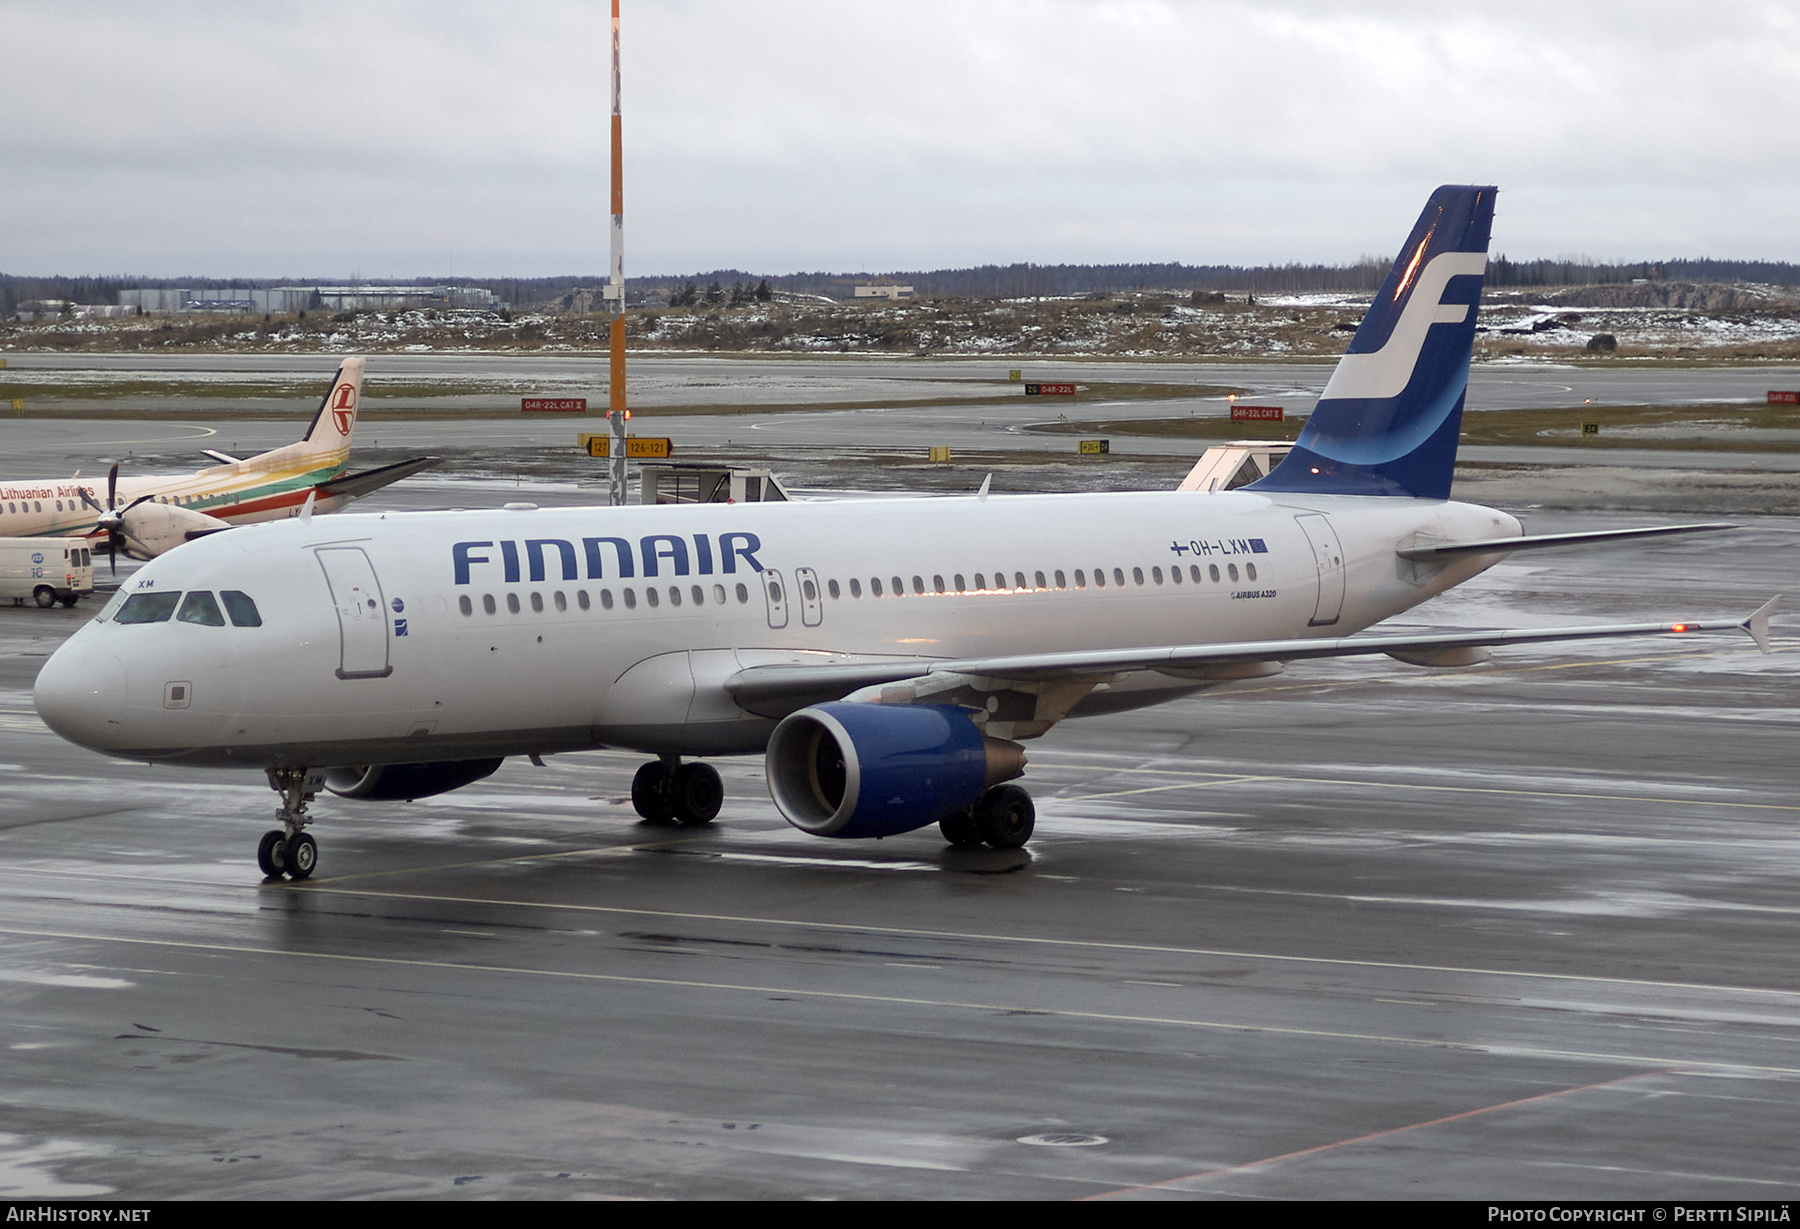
(355, 486)
(779, 689)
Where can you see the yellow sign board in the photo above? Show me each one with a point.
(18, 405)
(1015, 375)
(1095, 448)
(645, 448)
(940, 452)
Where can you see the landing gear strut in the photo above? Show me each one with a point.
(1003, 818)
(667, 789)
(288, 850)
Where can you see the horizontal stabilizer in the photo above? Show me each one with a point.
(1542, 541)
(355, 486)
(1758, 623)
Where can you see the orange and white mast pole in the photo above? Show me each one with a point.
(617, 415)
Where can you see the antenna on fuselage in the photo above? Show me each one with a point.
(617, 415)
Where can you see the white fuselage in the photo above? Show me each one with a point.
(365, 653)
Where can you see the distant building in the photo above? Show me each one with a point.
(185, 299)
(363, 298)
(884, 291)
(285, 300)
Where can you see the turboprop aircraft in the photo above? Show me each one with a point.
(146, 515)
(886, 658)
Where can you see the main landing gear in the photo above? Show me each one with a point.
(667, 789)
(288, 850)
(1003, 818)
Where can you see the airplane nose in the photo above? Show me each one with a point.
(80, 694)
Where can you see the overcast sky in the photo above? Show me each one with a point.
(386, 138)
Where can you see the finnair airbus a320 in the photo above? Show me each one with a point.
(887, 658)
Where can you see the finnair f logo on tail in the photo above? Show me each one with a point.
(1385, 372)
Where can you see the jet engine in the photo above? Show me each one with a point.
(404, 782)
(859, 770)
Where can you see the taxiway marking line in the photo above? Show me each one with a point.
(1224, 778)
(912, 932)
(1157, 789)
(1374, 1135)
(1106, 1017)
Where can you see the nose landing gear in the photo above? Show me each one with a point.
(288, 850)
(666, 789)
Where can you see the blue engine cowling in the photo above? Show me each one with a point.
(860, 770)
(404, 782)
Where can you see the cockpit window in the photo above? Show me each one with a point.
(200, 608)
(242, 610)
(148, 608)
(112, 604)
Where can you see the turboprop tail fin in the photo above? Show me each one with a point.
(329, 434)
(1388, 421)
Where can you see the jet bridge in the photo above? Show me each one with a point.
(1225, 467)
(697, 484)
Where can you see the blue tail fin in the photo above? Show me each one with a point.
(1388, 421)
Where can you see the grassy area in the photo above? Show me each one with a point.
(1195, 428)
(1726, 427)
(76, 399)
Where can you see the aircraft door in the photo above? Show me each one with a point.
(812, 604)
(1328, 554)
(362, 616)
(775, 593)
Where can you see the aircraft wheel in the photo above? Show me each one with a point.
(45, 595)
(1005, 817)
(961, 830)
(271, 853)
(303, 855)
(696, 793)
(650, 791)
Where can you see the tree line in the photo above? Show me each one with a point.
(734, 287)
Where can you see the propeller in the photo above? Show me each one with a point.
(112, 517)
(100, 521)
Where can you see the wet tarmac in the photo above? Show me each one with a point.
(1525, 930)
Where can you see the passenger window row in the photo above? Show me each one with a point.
(694, 595)
(699, 595)
(896, 586)
(14, 507)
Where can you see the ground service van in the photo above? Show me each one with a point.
(47, 570)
